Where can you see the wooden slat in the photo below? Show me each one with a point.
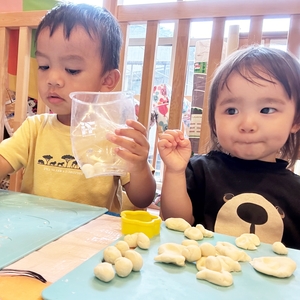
(255, 32)
(3, 75)
(206, 9)
(293, 43)
(14, 20)
(179, 76)
(111, 5)
(215, 55)
(148, 73)
(123, 57)
(23, 69)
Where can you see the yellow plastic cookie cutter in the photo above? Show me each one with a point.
(140, 221)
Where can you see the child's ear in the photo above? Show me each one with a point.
(295, 128)
(110, 80)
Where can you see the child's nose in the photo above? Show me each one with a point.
(55, 79)
(247, 124)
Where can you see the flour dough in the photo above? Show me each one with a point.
(230, 250)
(281, 267)
(123, 266)
(279, 248)
(171, 253)
(143, 241)
(192, 253)
(223, 278)
(104, 271)
(189, 242)
(248, 241)
(207, 249)
(193, 233)
(131, 240)
(136, 259)
(206, 233)
(122, 246)
(111, 253)
(177, 224)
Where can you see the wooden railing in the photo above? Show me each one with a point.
(183, 13)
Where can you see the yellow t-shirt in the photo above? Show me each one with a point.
(42, 145)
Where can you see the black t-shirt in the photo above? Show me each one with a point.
(234, 196)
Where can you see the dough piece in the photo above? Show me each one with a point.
(131, 240)
(248, 241)
(228, 249)
(208, 249)
(104, 271)
(228, 264)
(189, 242)
(143, 241)
(88, 170)
(123, 266)
(206, 233)
(200, 263)
(177, 224)
(281, 267)
(279, 248)
(192, 253)
(193, 233)
(136, 259)
(223, 278)
(171, 253)
(111, 253)
(170, 247)
(171, 258)
(122, 246)
(213, 263)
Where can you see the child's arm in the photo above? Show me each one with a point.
(5, 168)
(175, 152)
(141, 188)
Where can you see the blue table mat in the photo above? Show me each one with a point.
(28, 222)
(167, 281)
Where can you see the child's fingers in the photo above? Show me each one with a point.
(137, 126)
(176, 134)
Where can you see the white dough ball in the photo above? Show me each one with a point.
(207, 249)
(104, 271)
(88, 170)
(143, 241)
(123, 266)
(213, 263)
(136, 259)
(193, 233)
(131, 240)
(111, 253)
(279, 248)
(122, 246)
(189, 242)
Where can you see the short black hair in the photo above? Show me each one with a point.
(98, 22)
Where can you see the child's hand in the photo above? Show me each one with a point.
(133, 145)
(174, 150)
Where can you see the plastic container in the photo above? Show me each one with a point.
(140, 221)
(95, 115)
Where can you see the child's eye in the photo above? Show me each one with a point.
(268, 110)
(73, 72)
(43, 68)
(231, 111)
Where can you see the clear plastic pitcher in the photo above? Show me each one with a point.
(93, 116)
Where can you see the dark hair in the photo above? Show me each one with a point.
(98, 22)
(257, 60)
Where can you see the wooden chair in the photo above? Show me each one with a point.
(182, 13)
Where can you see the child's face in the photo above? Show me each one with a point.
(66, 66)
(253, 121)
